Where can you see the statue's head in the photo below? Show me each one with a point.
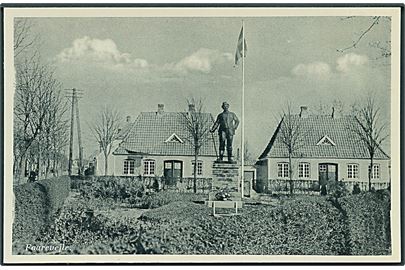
(225, 105)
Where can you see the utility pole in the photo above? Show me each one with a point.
(79, 139)
(74, 94)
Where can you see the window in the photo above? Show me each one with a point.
(129, 166)
(323, 168)
(352, 171)
(149, 167)
(199, 167)
(282, 169)
(303, 170)
(375, 173)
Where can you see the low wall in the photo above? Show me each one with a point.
(309, 186)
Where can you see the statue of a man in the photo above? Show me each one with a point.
(227, 123)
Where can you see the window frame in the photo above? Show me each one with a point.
(304, 170)
(147, 171)
(285, 170)
(352, 173)
(373, 172)
(129, 165)
(200, 170)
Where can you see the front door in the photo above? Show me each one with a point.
(327, 173)
(173, 170)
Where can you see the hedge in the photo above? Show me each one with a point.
(368, 217)
(304, 225)
(301, 225)
(36, 204)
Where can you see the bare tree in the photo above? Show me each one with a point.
(105, 130)
(37, 97)
(23, 36)
(247, 156)
(39, 106)
(370, 129)
(292, 135)
(383, 46)
(197, 124)
(327, 108)
(55, 135)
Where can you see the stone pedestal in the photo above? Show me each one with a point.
(225, 176)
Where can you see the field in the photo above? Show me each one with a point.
(109, 216)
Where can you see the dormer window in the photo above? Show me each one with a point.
(326, 141)
(174, 139)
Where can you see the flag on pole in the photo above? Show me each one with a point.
(240, 47)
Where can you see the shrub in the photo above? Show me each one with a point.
(356, 189)
(161, 198)
(120, 189)
(337, 189)
(36, 204)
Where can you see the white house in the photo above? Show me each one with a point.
(330, 151)
(156, 144)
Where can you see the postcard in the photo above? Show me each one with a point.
(202, 134)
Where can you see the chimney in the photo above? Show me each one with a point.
(304, 111)
(333, 112)
(128, 118)
(161, 108)
(191, 107)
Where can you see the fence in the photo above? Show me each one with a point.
(309, 186)
(282, 186)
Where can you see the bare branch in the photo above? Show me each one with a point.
(375, 21)
(23, 36)
(105, 130)
(368, 128)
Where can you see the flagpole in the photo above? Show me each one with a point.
(243, 111)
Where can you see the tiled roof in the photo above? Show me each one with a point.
(314, 128)
(149, 132)
(125, 131)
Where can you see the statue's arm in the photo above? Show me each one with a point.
(235, 118)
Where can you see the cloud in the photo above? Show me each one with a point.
(104, 52)
(203, 60)
(349, 61)
(317, 70)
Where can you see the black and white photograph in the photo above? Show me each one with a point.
(210, 134)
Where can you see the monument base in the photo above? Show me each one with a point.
(225, 180)
(225, 161)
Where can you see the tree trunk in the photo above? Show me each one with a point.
(38, 164)
(290, 171)
(105, 165)
(22, 167)
(195, 170)
(48, 165)
(370, 172)
(54, 165)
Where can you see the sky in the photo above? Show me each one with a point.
(132, 64)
